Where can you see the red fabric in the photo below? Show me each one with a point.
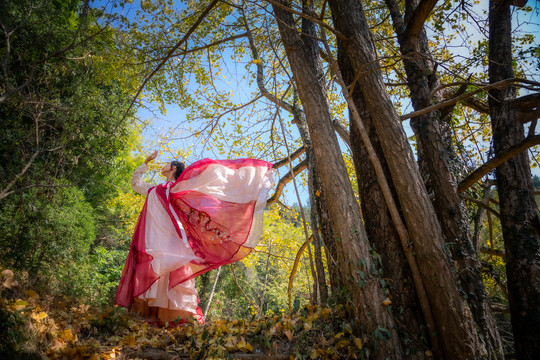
(137, 275)
(216, 231)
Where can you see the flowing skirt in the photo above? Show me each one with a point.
(211, 216)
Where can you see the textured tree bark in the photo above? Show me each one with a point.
(519, 212)
(311, 46)
(455, 327)
(353, 255)
(439, 165)
(314, 185)
(327, 238)
(380, 227)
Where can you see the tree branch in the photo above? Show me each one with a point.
(306, 16)
(498, 160)
(160, 65)
(342, 132)
(260, 71)
(5, 192)
(481, 204)
(415, 23)
(446, 103)
(489, 251)
(192, 50)
(285, 179)
(285, 160)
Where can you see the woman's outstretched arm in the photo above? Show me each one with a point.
(137, 183)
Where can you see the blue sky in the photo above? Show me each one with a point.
(159, 125)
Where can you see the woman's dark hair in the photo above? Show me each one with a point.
(179, 168)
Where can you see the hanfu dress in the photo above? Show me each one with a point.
(211, 216)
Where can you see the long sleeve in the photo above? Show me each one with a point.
(137, 183)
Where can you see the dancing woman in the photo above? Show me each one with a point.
(205, 216)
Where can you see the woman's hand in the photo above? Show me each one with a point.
(151, 157)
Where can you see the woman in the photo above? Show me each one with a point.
(203, 217)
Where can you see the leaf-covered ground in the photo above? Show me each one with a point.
(56, 328)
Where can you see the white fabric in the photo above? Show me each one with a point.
(161, 239)
(236, 185)
(137, 182)
(168, 252)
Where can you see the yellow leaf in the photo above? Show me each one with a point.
(307, 326)
(257, 61)
(67, 335)
(19, 305)
(32, 294)
(39, 315)
(314, 354)
(387, 301)
(128, 340)
(318, 193)
(289, 334)
(429, 353)
(358, 343)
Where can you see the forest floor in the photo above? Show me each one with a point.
(58, 328)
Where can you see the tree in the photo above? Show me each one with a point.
(451, 320)
(439, 163)
(353, 248)
(519, 211)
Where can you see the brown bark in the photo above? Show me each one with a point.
(380, 228)
(353, 255)
(439, 166)
(457, 333)
(519, 214)
(314, 185)
(329, 240)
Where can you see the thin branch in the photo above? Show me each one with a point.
(285, 160)
(493, 252)
(306, 16)
(160, 65)
(498, 160)
(5, 192)
(478, 105)
(260, 71)
(342, 132)
(286, 179)
(400, 227)
(240, 288)
(295, 267)
(192, 50)
(273, 255)
(446, 103)
(481, 204)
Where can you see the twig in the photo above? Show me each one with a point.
(443, 104)
(160, 65)
(498, 160)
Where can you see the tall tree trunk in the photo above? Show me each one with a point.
(519, 212)
(439, 165)
(327, 238)
(457, 332)
(380, 228)
(353, 249)
(314, 189)
(308, 33)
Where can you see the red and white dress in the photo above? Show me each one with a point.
(211, 216)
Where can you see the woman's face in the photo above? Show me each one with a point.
(166, 170)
